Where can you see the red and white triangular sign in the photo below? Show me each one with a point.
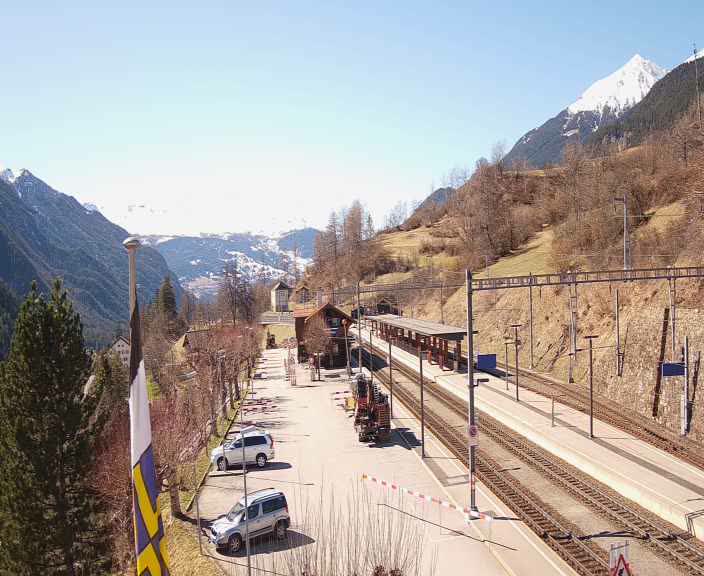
(622, 568)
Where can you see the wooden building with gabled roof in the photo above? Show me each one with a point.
(336, 324)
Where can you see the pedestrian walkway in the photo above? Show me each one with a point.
(320, 464)
(656, 480)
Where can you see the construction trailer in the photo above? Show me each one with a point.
(372, 416)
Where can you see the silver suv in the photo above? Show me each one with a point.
(267, 511)
(258, 449)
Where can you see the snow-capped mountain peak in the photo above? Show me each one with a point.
(620, 90)
(8, 175)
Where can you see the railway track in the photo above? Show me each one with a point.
(664, 539)
(585, 557)
(620, 418)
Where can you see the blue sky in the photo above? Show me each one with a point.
(234, 116)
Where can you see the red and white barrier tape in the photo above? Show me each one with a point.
(426, 498)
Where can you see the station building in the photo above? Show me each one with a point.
(336, 325)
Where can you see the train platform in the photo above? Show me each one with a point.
(321, 464)
(654, 479)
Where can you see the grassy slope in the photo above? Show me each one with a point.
(186, 559)
(405, 245)
(642, 308)
(533, 258)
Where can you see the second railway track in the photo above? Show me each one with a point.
(665, 540)
(650, 432)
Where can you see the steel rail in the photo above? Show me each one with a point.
(641, 428)
(664, 538)
(621, 418)
(584, 557)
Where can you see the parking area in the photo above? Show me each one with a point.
(336, 515)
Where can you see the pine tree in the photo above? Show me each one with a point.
(111, 385)
(188, 308)
(167, 301)
(49, 515)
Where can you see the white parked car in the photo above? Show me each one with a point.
(258, 449)
(267, 513)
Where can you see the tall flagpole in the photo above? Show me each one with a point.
(131, 245)
(150, 548)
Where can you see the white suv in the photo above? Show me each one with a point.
(267, 513)
(258, 449)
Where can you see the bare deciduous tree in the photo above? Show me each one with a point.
(397, 216)
(316, 339)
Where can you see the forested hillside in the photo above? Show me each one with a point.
(46, 234)
(505, 223)
(8, 313)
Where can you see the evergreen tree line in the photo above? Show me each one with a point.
(65, 479)
(9, 306)
(51, 518)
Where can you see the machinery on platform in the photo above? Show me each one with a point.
(372, 416)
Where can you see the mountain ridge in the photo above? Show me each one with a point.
(664, 105)
(45, 233)
(601, 104)
(198, 261)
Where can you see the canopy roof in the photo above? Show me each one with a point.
(422, 327)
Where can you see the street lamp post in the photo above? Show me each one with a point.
(422, 405)
(391, 383)
(246, 506)
(515, 343)
(470, 384)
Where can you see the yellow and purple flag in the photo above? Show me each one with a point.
(152, 557)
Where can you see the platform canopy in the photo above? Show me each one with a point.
(422, 327)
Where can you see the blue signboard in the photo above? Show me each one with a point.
(672, 369)
(486, 362)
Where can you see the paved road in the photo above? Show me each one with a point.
(338, 517)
